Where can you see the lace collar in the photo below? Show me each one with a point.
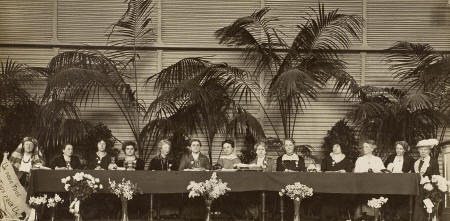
(293, 157)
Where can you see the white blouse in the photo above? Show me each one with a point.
(366, 162)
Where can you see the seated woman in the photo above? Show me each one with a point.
(368, 162)
(426, 166)
(101, 160)
(26, 157)
(400, 162)
(336, 161)
(230, 159)
(131, 161)
(195, 159)
(290, 162)
(261, 159)
(66, 161)
(162, 160)
(331, 204)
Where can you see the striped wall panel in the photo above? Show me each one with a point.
(24, 21)
(408, 20)
(180, 19)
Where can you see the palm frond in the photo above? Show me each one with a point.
(259, 37)
(133, 30)
(410, 61)
(80, 76)
(13, 76)
(323, 34)
(242, 121)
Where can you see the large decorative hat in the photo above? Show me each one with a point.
(430, 143)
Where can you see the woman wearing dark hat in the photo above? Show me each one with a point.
(336, 161)
(426, 166)
(401, 161)
(66, 161)
(131, 161)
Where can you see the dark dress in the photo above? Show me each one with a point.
(419, 211)
(408, 162)
(329, 165)
(333, 204)
(139, 164)
(296, 165)
(188, 162)
(160, 163)
(94, 161)
(60, 162)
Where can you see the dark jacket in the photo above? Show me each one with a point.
(140, 164)
(433, 168)
(408, 162)
(94, 161)
(291, 164)
(60, 162)
(159, 163)
(345, 164)
(187, 162)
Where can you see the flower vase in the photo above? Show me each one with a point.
(296, 210)
(377, 214)
(74, 208)
(124, 209)
(208, 203)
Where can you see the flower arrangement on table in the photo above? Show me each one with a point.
(209, 189)
(37, 203)
(296, 192)
(376, 204)
(80, 187)
(125, 190)
(434, 191)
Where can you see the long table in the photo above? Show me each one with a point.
(151, 182)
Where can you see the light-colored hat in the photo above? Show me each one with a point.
(430, 143)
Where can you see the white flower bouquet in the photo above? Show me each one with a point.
(209, 189)
(297, 191)
(434, 191)
(81, 185)
(40, 201)
(37, 203)
(377, 203)
(125, 189)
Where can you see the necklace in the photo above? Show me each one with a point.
(23, 159)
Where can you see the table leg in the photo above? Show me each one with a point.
(151, 208)
(411, 206)
(281, 208)
(263, 206)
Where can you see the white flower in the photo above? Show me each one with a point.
(428, 187)
(97, 180)
(424, 180)
(428, 204)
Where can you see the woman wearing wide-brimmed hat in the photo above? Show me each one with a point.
(426, 166)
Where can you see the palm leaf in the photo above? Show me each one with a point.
(259, 37)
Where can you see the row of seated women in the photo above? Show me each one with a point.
(27, 157)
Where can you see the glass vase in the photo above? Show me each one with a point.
(124, 209)
(208, 203)
(297, 210)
